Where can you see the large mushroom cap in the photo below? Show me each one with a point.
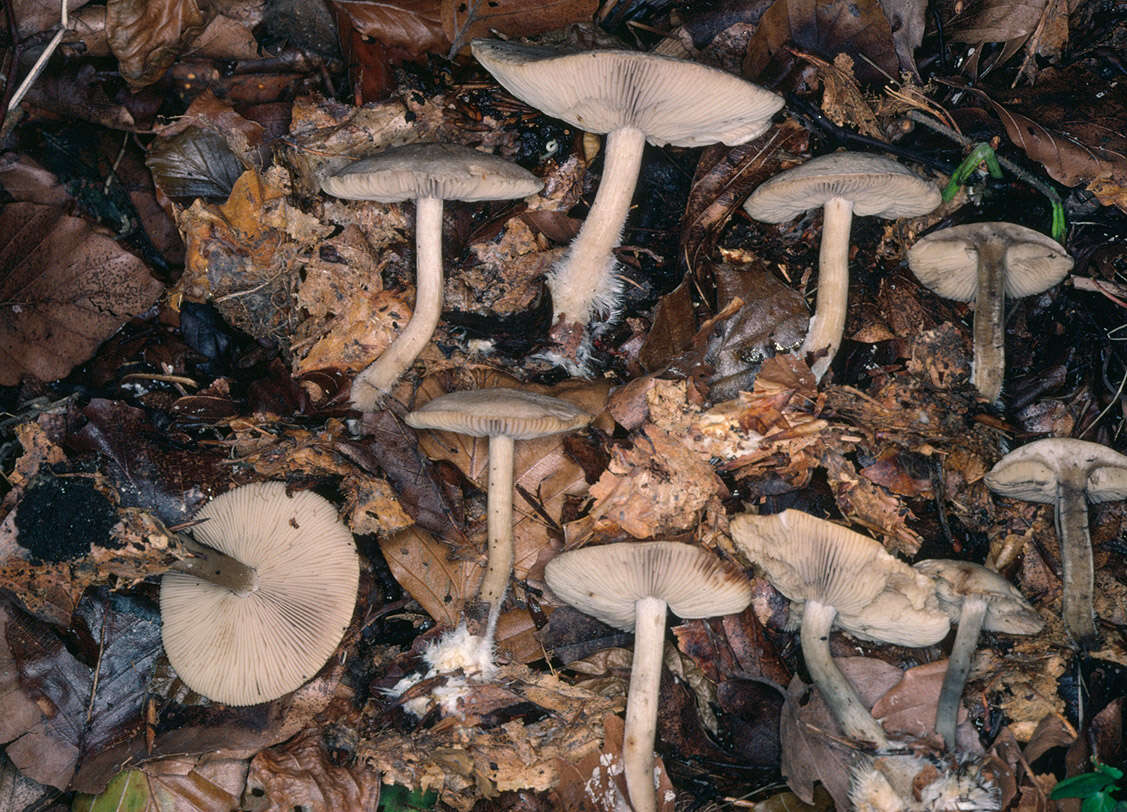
(947, 261)
(874, 184)
(1007, 610)
(444, 171)
(672, 101)
(1032, 472)
(241, 649)
(489, 412)
(877, 596)
(606, 581)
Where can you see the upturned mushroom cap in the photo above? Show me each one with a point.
(1007, 609)
(491, 412)
(1032, 472)
(947, 261)
(443, 171)
(877, 597)
(606, 581)
(672, 101)
(242, 649)
(875, 185)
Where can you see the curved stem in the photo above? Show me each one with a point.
(1071, 513)
(209, 564)
(966, 639)
(641, 703)
(374, 383)
(989, 320)
(585, 283)
(827, 325)
(500, 520)
(846, 707)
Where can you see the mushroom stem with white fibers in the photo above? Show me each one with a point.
(500, 521)
(958, 666)
(989, 320)
(827, 325)
(218, 568)
(585, 284)
(641, 703)
(846, 706)
(1070, 511)
(374, 383)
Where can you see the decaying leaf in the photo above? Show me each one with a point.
(300, 774)
(146, 36)
(425, 568)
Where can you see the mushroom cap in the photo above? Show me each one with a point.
(670, 100)
(1032, 472)
(874, 184)
(1007, 610)
(444, 171)
(606, 581)
(242, 649)
(877, 597)
(501, 411)
(947, 261)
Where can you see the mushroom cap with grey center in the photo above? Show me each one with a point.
(606, 581)
(877, 596)
(444, 171)
(876, 186)
(672, 101)
(947, 260)
(499, 411)
(1007, 610)
(242, 649)
(1032, 472)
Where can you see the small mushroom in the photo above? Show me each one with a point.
(267, 598)
(1067, 474)
(502, 415)
(984, 263)
(634, 98)
(831, 573)
(427, 174)
(844, 184)
(976, 598)
(629, 586)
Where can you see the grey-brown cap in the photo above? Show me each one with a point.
(1007, 610)
(876, 596)
(670, 100)
(947, 261)
(876, 186)
(606, 581)
(242, 649)
(1033, 471)
(500, 411)
(443, 171)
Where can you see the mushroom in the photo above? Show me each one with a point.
(844, 184)
(629, 586)
(267, 597)
(634, 98)
(984, 263)
(502, 415)
(976, 598)
(831, 573)
(428, 174)
(1067, 474)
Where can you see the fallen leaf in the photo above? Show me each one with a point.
(997, 20)
(147, 36)
(425, 569)
(300, 774)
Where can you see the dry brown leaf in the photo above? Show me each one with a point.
(147, 36)
(423, 567)
(186, 784)
(997, 20)
(299, 774)
(909, 708)
(871, 506)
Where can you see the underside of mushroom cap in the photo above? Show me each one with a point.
(242, 649)
(606, 581)
(499, 411)
(1032, 472)
(874, 184)
(672, 101)
(1007, 609)
(443, 171)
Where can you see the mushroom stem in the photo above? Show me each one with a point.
(641, 703)
(958, 666)
(585, 283)
(827, 325)
(374, 383)
(989, 323)
(1071, 513)
(847, 708)
(209, 564)
(500, 521)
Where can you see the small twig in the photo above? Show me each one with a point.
(117, 162)
(1112, 290)
(41, 62)
(101, 650)
(1106, 409)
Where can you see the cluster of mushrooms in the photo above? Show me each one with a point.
(276, 576)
